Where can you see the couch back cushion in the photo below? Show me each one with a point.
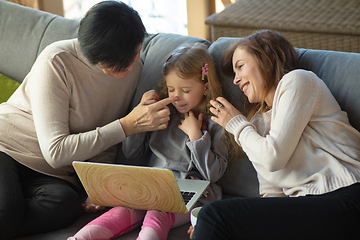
(24, 33)
(340, 71)
(240, 178)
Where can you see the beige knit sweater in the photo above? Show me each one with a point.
(305, 144)
(66, 109)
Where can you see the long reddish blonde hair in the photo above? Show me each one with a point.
(275, 57)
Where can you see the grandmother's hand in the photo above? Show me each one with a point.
(149, 115)
(89, 207)
(223, 111)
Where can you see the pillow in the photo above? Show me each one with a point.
(7, 87)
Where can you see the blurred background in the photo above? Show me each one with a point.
(186, 17)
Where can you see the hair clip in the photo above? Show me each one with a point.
(168, 58)
(204, 71)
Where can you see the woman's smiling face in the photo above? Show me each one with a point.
(247, 75)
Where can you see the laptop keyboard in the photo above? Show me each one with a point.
(187, 196)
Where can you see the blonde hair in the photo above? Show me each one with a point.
(187, 62)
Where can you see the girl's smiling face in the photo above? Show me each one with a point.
(187, 93)
(247, 75)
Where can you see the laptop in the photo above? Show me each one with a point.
(138, 187)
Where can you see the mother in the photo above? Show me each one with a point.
(71, 106)
(301, 144)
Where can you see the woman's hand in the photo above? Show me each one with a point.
(223, 111)
(192, 125)
(191, 231)
(89, 207)
(149, 115)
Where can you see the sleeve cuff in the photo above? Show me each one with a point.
(237, 124)
(114, 131)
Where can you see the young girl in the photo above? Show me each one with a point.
(191, 146)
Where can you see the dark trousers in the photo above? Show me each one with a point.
(334, 215)
(31, 202)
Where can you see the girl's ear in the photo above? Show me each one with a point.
(206, 88)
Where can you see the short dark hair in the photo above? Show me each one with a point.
(110, 34)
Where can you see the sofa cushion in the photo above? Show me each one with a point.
(341, 73)
(27, 36)
(7, 87)
(232, 93)
(179, 233)
(59, 29)
(23, 42)
(240, 178)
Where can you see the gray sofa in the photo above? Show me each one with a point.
(24, 32)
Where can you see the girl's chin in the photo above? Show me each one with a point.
(182, 111)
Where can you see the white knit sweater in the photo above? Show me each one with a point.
(66, 109)
(304, 144)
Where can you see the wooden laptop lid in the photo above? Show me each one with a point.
(134, 187)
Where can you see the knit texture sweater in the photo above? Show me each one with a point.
(66, 109)
(304, 144)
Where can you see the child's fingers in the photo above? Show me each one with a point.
(201, 117)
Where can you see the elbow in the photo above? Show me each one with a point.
(55, 157)
(276, 159)
(215, 176)
(273, 167)
(53, 161)
(55, 165)
(275, 164)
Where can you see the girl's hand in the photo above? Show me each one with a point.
(223, 111)
(191, 231)
(89, 207)
(192, 125)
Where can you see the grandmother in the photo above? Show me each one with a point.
(71, 106)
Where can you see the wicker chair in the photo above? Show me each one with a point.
(313, 24)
